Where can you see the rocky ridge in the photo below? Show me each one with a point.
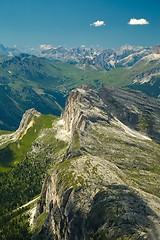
(26, 123)
(106, 184)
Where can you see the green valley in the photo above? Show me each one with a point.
(30, 82)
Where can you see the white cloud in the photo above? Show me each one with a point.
(45, 46)
(141, 21)
(98, 23)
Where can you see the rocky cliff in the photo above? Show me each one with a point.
(106, 185)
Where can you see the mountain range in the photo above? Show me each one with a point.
(107, 59)
(102, 58)
(28, 81)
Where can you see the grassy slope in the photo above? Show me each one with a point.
(22, 176)
(64, 76)
(40, 74)
(15, 152)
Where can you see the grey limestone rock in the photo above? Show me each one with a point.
(103, 187)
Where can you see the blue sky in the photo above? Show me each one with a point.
(72, 23)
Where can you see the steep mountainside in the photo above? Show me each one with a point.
(106, 186)
(91, 174)
(145, 75)
(134, 109)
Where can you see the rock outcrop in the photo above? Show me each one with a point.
(26, 123)
(109, 189)
(83, 105)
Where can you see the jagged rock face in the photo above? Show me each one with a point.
(109, 190)
(83, 105)
(72, 115)
(99, 208)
